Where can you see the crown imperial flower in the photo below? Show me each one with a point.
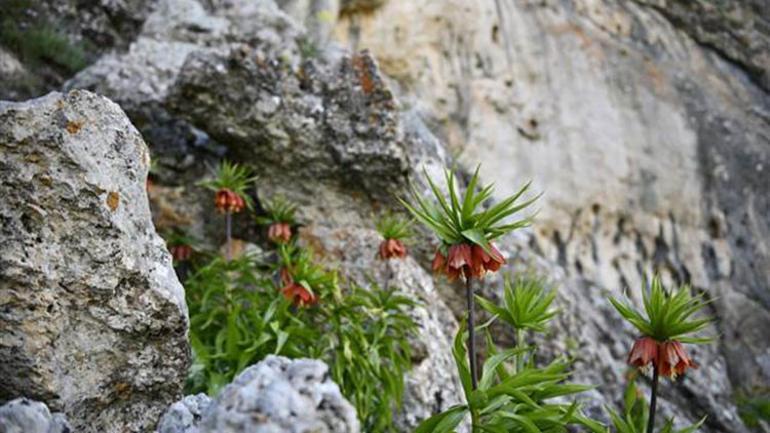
(181, 253)
(229, 185)
(644, 353)
(391, 249)
(466, 232)
(279, 232)
(666, 324)
(226, 200)
(673, 360)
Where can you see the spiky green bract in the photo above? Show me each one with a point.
(278, 210)
(635, 415)
(526, 304)
(234, 177)
(391, 226)
(458, 219)
(511, 401)
(668, 315)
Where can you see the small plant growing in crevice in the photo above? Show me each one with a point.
(229, 185)
(668, 320)
(395, 231)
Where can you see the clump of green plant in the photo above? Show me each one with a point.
(668, 320)
(635, 416)
(38, 42)
(236, 320)
(514, 394)
(754, 407)
(245, 308)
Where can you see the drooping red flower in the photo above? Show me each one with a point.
(227, 200)
(279, 232)
(439, 262)
(469, 260)
(299, 295)
(392, 248)
(181, 253)
(296, 293)
(483, 262)
(673, 360)
(643, 353)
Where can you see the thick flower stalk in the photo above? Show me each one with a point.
(467, 232)
(668, 320)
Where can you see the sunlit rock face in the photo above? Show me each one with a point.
(93, 318)
(645, 129)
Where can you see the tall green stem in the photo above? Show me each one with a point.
(228, 235)
(472, 346)
(653, 399)
(520, 345)
(471, 331)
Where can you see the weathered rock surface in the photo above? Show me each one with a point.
(432, 385)
(26, 416)
(94, 319)
(277, 395)
(645, 124)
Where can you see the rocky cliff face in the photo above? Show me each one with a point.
(94, 319)
(645, 123)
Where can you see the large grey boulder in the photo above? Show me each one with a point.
(94, 319)
(27, 416)
(277, 395)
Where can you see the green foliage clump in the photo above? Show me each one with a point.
(754, 408)
(38, 42)
(513, 392)
(636, 415)
(238, 315)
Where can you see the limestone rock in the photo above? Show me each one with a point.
(27, 416)
(185, 415)
(656, 161)
(277, 395)
(94, 319)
